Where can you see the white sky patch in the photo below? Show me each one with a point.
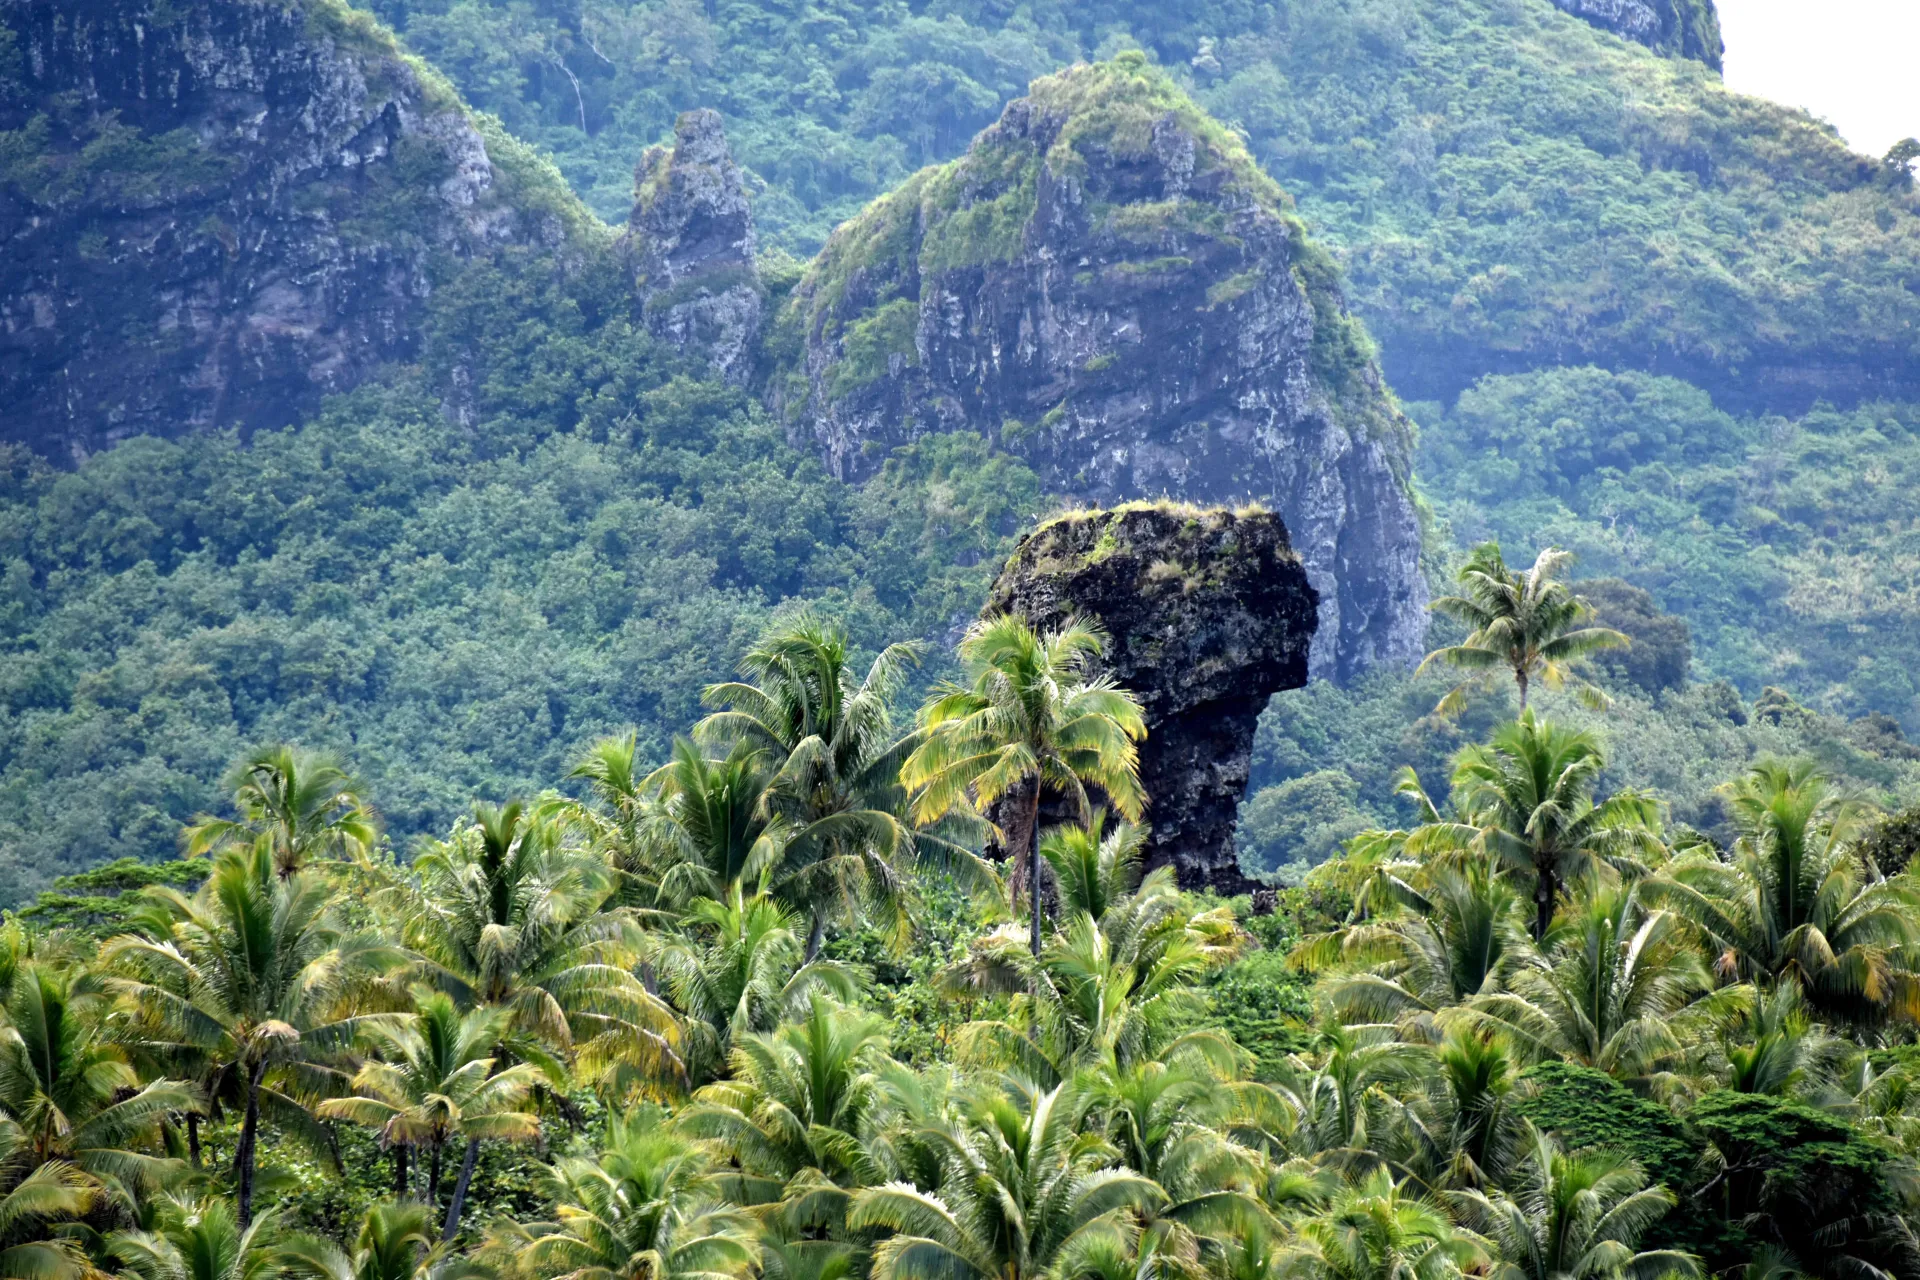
(1855, 63)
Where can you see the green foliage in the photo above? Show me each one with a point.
(1296, 825)
(1584, 1107)
(1781, 542)
(96, 902)
(461, 604)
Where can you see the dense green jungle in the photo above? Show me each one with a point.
(532, 814)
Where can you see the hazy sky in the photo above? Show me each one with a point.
(1855, 63)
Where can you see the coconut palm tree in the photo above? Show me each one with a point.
(395, 1242)
(650, 1208)
(301, 803)
(1031, 717)
(710, 829)
(1526, 624)
(1792, 903)
(201, 1240)
(252, 973)
(1574, 1217)
(40, 1203)
(68, 1092)
(799, 1103)
(435, 1082)
(1376, 1230)
(1464, 1129)
(1176, 1123)
(1526, 801)
(1333, 1085)
(615, 823)
(1605, 986)
(738, 967)
(1021, 1187)
(1110, 992)
(1459, 935)
(504, 915)
(1094, 868)
(835, 787)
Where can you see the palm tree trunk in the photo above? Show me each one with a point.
(1033, 864)
(460, 1191)
(193, 1137)
(814, 935)
(249, 1136)
(1520, 678)
(1545, 891)
(433, 1176)
(400, 1187)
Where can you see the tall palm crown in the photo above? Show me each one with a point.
(1610, 976)
(1030, 717)
(203, 1241)
(650, 1208)
(1524, 623)
(1022, 1185)
(1526, 799)
(395, 1242)
(1794, 904)
(1106, 991)
(1575, 1217)
(434, 1082)
(1374, 1230)
(799, 1104)
(830, 740)
(503, 915)
(302, 804)
(67, 1090)
(708, 830)
(738, 967)
(253, 972)
(1436, 936)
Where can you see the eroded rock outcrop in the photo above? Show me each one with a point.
(213, 214)
(1209, 613)
(690, 244)
(1108, 286)
(1684, 28)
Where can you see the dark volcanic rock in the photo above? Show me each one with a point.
(1209, 614)
(213, 214)
(690, 243)
(1687, 28)
(1108, 286)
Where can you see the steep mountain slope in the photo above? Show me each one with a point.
(1108, 287)
(1510, 186)
(213, 215)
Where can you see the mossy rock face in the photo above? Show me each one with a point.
(1683, 28)
(1208, 613)
(690, 245)
(216, 214)
(1108, 270)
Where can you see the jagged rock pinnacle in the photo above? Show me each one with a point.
(1208, 614)
(691, 245)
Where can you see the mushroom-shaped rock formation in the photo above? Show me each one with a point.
(1107, 285)
(690, 244)
(1208, 614)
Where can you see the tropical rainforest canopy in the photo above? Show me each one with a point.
(553, 847)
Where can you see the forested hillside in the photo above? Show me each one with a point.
(1512, 186)
(506, 771)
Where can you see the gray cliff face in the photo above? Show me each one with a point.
(218, 213)
(690, 244)
(1107, 286)
(1208, 614)
(1684, 28)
